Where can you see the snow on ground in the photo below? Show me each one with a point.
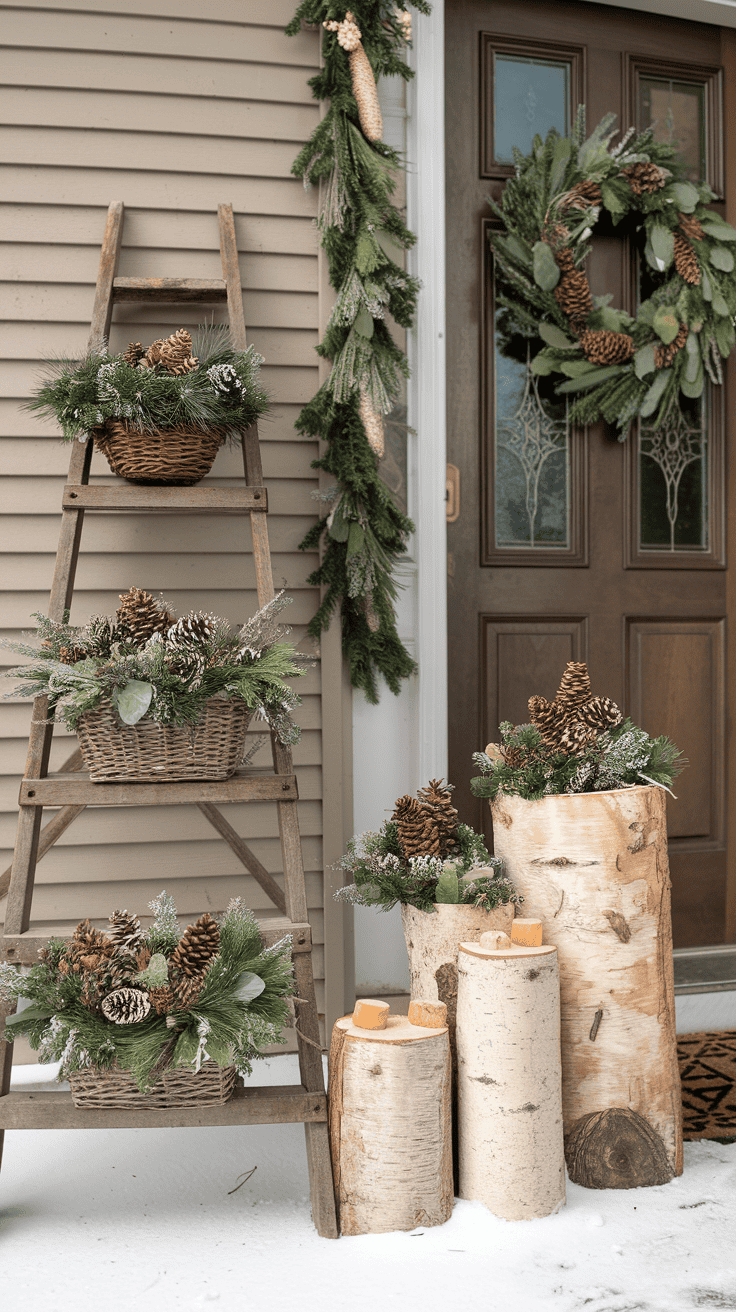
(117, 1219)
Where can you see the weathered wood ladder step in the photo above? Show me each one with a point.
(73, 792)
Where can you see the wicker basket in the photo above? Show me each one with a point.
(149, 751)
(176, 457)
(210, 1086)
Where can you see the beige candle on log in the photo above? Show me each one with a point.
(594, 867)
(390, 1126)
(509, 1080)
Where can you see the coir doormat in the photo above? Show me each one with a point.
(708, 1074)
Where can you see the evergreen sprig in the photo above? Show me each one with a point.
(359, 226)
(620, 758)
(241, 1007)
(224, 391)
(538, 219)
(383, 877)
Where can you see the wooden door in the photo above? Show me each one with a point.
(568, 544)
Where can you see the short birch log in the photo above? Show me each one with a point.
(390, 1126)
(512, 1155)
(594, 866)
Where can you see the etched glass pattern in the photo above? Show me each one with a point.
(673, 480)
(532, 460)
(676, 112)
(529, 96)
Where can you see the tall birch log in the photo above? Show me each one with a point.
(594, 866)
(512, 1155)
(390, 1126)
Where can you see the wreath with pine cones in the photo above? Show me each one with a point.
(614, 367)
(150, 1000)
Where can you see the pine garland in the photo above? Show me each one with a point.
(616, 368)
(365, 534)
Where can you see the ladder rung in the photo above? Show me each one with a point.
(61, 789)
(217, 500)
(276, 1104)
(169, 289)
(23, 949)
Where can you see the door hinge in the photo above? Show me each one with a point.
(452, 494)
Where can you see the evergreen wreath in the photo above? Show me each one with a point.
(616, 367)
(150, 1000)
(364, 533)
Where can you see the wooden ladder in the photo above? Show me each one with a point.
(72, 792)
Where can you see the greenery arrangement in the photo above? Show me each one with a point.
(615, 367)
(148, 1000)
(146, 662)
(575, 744)
(364, 533)
(422, 856)
(199, 383)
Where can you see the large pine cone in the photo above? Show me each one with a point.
(572, 294)
(197, 945)
(174, 353)
(691, 227)
(193, 630)
(162, 999)
(134, 354)
(186, 992)
(565, 260)
(87, 941)
(549, 718)
(418, 831)
(437, 799)
(645, 177)
(126, 1006)
(581, 196)
(600, 713)
(574, 686)
(125, 931)
(664, 355)
(139, 616)
(686, 261)
(601, 346)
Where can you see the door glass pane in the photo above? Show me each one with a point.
(676, 111)
(673, 476)
(532, 456)
(529, 96)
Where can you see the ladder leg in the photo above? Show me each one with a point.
(6, 1062)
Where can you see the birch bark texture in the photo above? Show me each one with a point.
(512, 1156)
(390, 1126)
(594, 866)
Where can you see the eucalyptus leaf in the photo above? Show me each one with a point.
(574, 368)
(663, 244)
(693, 388)
(340, 526)
(546, 272)
(590, 379)
(542, 364)
(34, 1012)
(685, 196)
(186, 1048)
(652, 259)
(722, 259)
(560, 159)
(655, 393)
(719, 305)
(644, 362)
(219, 1052)
(554, 336)
(364, 323)
(517, 250)
(448, 889)
(614, 203)
(666, 324)
(719, 229)
(356, 538)
(725, 336)
(692, 346)
(249, 986)
(694, 364)
(706, 287)
(133, 700)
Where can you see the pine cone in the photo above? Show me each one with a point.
(436, 798)
(372, 423)
(366, 95)
(686, 261)
(193, 630)
(88, 941)
(574, 687)
(576, 738)
(691, 227)
(70, 655)
(162, 999)
(186, 992)
(125, 931)
(418, 832)
(645, 177)
(126, 1006)
(600, 713)
(581, 196)
(549, 718)
(565, 261)
(603, 347)
(100, 634)
(140, 616)
(557, 235)
(174, 353)
(572, 294)
(133, 354)
(664, 355)
(197, 945)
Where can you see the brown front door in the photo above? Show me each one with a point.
(570, 545)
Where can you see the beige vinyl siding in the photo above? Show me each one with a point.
(171, 108)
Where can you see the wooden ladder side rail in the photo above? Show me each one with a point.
(55, 827)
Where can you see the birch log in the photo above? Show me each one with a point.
(594, 866)
(512, 1155)
(390, 1126)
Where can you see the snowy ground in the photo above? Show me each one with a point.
(114, 1220)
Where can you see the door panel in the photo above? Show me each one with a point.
(576, 546)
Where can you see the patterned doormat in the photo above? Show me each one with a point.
(708, 1074)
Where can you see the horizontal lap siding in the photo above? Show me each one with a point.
(171, 111)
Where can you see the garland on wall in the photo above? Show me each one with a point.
(615, 367)
(365, 533)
